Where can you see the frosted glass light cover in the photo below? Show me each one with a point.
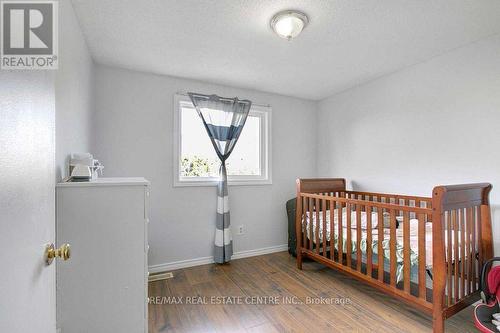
(289, 24)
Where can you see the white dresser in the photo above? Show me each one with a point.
(103, 286)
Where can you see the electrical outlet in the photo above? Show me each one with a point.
(241, 230)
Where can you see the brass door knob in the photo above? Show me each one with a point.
(63, 252)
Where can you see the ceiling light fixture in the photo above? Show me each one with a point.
(289, 23)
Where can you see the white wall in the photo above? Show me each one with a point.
(74, 91)
(133, 136)
(434, 123)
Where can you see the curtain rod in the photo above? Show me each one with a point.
(256, 104)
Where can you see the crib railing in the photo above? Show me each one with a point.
(314, 242)
(407, 200)
(461, 240)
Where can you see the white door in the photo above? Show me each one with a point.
(27, 183)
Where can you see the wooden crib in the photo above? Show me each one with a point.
(458, 217)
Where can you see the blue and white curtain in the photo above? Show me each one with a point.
(224, 119)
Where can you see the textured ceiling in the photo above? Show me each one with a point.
(230, 42)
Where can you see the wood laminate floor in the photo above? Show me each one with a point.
(185, 302)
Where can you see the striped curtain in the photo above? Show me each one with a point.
(224, 119)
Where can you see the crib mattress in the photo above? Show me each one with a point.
(375, 237)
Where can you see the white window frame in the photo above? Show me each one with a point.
(263, 112)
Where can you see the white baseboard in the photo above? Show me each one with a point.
(259, 252)
(210, 260)
(180, 264)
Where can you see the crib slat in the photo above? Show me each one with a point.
(380, 239)
(406, 251)
(455, 253)
(449, 255)
(417, 204)
(340, 234)
(332, 231)
(462, 252)
(304, 221)
(348, 251)
(358, 237)
(480, 260)
(393, 248)
(311, 225)
(369, 242)
(323, 208)
(473, 250)
(316, 209)
(421, 257)
(397, 201)
(468, 232)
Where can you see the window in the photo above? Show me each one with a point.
(195, 160)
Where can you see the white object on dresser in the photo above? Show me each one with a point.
(103, 287)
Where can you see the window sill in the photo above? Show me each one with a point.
(209, 183)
